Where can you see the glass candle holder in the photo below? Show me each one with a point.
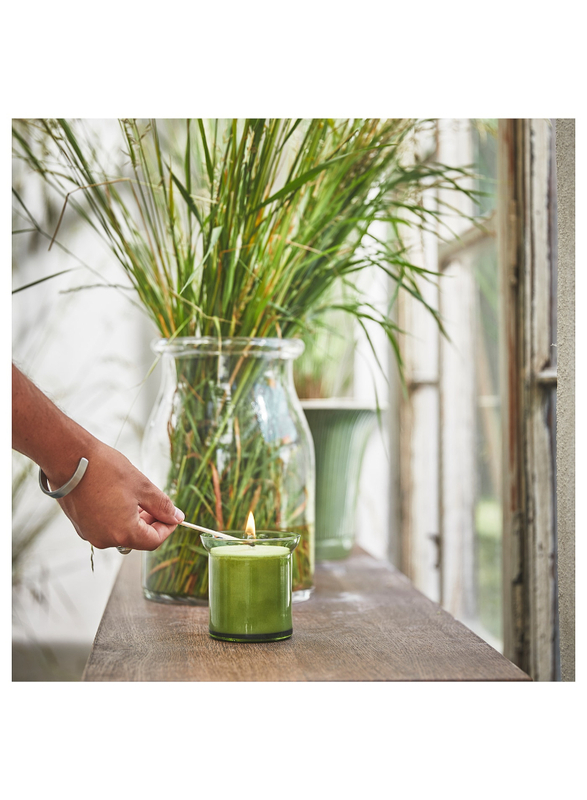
(250, 586)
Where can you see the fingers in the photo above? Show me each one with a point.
(149, 518)
(159, 505)
(154, 533)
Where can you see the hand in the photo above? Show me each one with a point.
(115, 505)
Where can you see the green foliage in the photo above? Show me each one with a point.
(242, 227)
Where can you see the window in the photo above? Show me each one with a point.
(477, 431)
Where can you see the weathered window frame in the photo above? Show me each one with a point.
(528, 268)
(525, 224)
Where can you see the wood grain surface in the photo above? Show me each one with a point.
(364, 622)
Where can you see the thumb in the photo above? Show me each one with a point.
(157, 503)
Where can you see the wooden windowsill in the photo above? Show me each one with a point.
(364, 622)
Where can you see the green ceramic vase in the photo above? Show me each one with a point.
(340, 430)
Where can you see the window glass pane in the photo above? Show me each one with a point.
(484, 134)
(488, 520)
(469, 470)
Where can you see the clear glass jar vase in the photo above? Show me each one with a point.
(228, 435)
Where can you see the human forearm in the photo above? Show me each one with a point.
(41, 431)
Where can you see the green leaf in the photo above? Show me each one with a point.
(213, 239)
(42, 280)
(187, 197)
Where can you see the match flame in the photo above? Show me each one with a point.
(250, 526)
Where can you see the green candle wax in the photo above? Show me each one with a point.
(250, 592)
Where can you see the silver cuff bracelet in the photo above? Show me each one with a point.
(67, 487)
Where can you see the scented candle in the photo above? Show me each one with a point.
(250, 587)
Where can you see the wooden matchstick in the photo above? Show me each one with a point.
(217, 534)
